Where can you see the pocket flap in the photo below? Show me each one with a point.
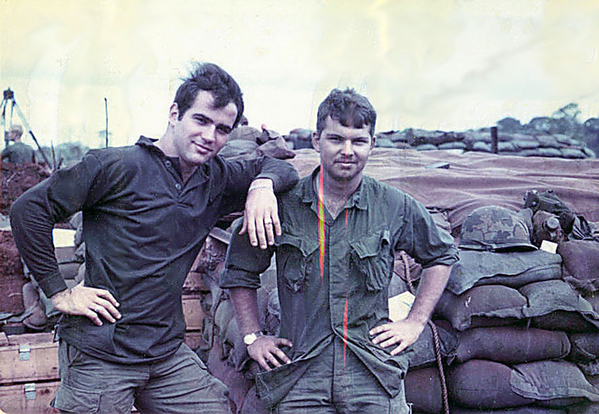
(306, 246)
(371, 245)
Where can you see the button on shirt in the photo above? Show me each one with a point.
(333, 275)
(143, 227)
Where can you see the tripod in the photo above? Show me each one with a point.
(8, 100)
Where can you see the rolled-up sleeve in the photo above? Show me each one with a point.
(244, 263)
(430, 245)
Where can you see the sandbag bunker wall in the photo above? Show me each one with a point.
(517, 337)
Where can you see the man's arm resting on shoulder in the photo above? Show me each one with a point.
(405, 332)
(261, 218)
(265, 349)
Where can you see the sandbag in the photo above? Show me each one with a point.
(424, 347)
(483, 384)
(585, 347)
(236, 382)
(517, 410)
(489, 305)
(554, 383)
(581, 260)
(424, 390)
(12, 278)
(555, 305)
(514, 269)
(593, 300)
(276, 148)
(510, 344)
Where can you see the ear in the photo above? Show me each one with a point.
(173, 113)
(316, 141)
(372, 141)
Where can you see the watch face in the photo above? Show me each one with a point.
(249, 338)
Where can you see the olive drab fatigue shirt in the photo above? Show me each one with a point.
(333, 275)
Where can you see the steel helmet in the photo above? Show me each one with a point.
(495, 228)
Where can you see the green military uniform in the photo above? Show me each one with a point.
(333, 276)
(18, 153)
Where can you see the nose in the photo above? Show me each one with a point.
(348, 149)
(209, 133)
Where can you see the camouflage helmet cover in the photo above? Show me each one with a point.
(495, 228)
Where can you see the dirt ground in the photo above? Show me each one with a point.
(14, 181)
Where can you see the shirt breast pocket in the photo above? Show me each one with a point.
(373, 258)
(296, 260)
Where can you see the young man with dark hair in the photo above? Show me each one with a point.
(147, 209)
(337, 351)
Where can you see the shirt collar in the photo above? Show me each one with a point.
(358, 199)
(150, 143)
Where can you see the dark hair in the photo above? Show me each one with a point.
(212, 78)
(347, 107)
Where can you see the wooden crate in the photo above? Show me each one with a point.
(29, 357)
(28, 398)
(193, 312)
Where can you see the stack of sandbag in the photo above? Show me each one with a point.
(246, 142)
(534, 144)
(70, 255)
(515, 318)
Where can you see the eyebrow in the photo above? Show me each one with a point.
(336, 135)
(229, 128)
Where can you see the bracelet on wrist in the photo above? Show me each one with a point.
(258, 186)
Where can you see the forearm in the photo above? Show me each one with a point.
(31, 225)
(246, 308)
(432, 284)
(283, 174)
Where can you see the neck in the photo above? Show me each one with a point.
(166, 145)
(334, 193)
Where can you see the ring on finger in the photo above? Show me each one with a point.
(97, 309)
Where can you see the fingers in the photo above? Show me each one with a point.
(93, 315)
(261, 219)
(261, 226)
(102, 293)
(267, 353)
(280, 356)
(249, 225)
(96, 304)
(106, 310)
(283, 342)
(399, 349)
(244, 226)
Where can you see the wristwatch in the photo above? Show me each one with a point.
(251, 338)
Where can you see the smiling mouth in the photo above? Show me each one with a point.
(201, 148)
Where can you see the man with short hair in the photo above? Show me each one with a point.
(338, 351)
(147, 210)
(18, 152)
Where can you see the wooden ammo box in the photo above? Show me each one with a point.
(29, 363)
(28, 372)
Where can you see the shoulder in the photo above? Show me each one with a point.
(378, 191)
(127, 154)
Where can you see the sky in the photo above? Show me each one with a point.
(431, 64)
